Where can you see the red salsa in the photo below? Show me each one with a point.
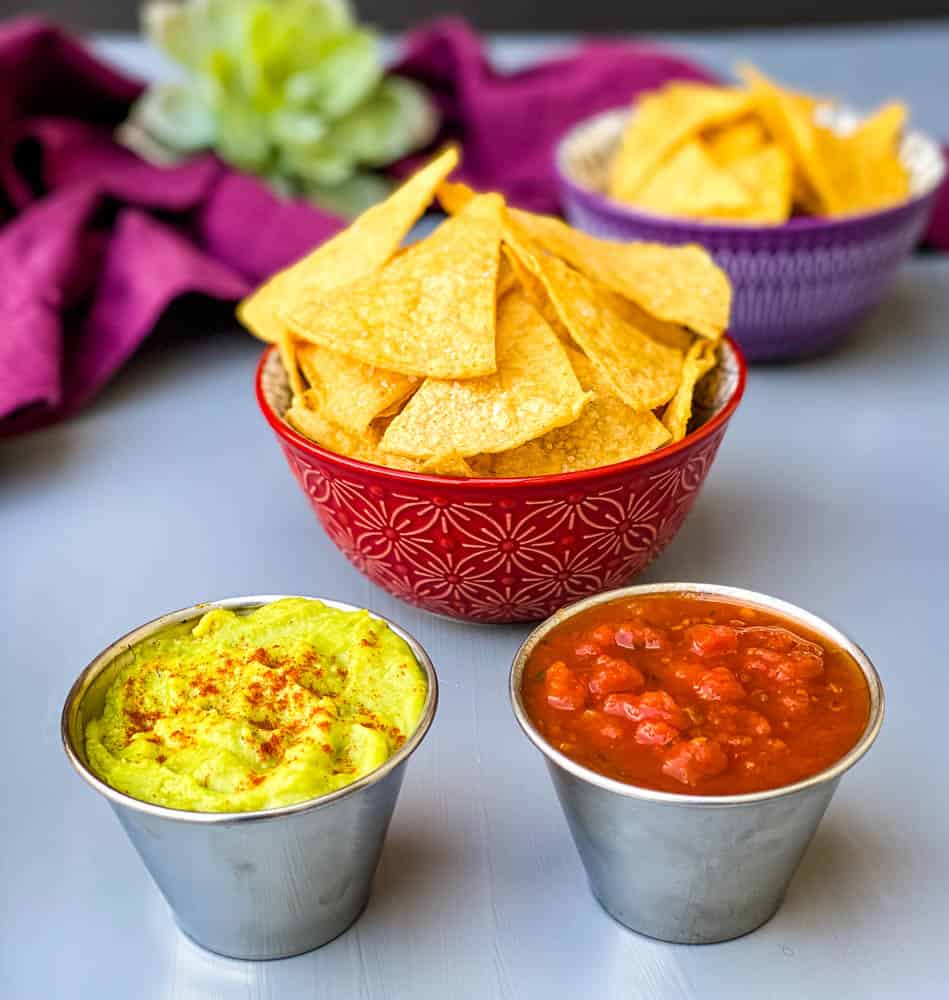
(685, 693)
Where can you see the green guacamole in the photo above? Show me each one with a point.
(256, 710)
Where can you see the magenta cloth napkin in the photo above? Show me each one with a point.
(95, 242)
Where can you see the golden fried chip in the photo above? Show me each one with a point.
(735, 141)
(691, 184)
(507, 278)
(453, 196)
(304, 415)
(664, 120)
(767, 175)
(699, 359)
(429, 312)
(358, 250)
(533, 391)
(447, 465)
(666, 333)
(606, 432)
(534, 289)
(642, 372)
(680, 285)
(352, 394)
(789, 117)
(864, 167)
(288, 355)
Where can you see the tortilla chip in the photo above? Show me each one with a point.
(691, 184)
(429, 312)
(767, 175)
(352, 394)
(664, 120)
(507, 278)
(735, 141)
(606, 432)
(789, 117)
(680, 285)
(533, 391)
(304, 415)
(288, 355)
(453, 196)
(357, 251)
(699, 359)
(447, 465)
(641, 371)
(534, 289)
(666, 333)
(864, 167)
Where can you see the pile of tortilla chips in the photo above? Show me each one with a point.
(503, 344)
(754, 154)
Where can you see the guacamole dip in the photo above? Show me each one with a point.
(255, 710)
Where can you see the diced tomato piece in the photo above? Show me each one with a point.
(654, 732)
(796, 702)
(794, 667)
(755, 723)
(770, 637)
(693, 760)
(602, 634)
(564, 690)
(586, 650)
(650, 705)
(632, 635)
(612, 674)
(805, 666)
(719, 684)
(687, 672)
(712, 640)
(603, 728)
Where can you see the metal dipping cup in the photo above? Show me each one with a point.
(254, 885)
(692, 869)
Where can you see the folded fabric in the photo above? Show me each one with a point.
(95, 242)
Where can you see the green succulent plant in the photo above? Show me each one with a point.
(292, 90)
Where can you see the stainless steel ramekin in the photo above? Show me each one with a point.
(265, 884)
(692, 869)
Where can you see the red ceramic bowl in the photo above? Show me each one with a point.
(506, 550)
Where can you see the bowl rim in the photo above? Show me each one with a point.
(690, 227)
(792, 611)
(479, 483)
(102, 661)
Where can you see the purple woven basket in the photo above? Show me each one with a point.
(800, 287)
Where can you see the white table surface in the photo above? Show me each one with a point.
(831, 490)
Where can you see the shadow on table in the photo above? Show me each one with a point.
(909, 321)
(835, 874)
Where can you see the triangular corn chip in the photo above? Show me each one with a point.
(533, 391)
(732, 142)
(428, 312)
(664, 120)
(789, 117)
(352, 394)
(678, 285)
(767, 176)
(699, 359)
(691, 184)
(606, 432)
(358, 250)
(641, 371)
